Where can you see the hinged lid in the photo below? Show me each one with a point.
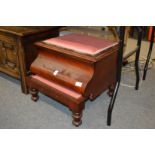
(81, 46)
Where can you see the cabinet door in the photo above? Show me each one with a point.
(9, 59)
(2, 54)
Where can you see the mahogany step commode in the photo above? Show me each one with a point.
(73, 69)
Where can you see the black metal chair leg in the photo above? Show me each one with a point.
(119, 70)
(137, 58)
(111, 105)
(137, 70)
(149, 54)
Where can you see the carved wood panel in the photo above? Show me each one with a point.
(9, 58)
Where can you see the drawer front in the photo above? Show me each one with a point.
(8, 57)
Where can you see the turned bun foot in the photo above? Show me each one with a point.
(34, 94)
(77, 119)
(111, 90)
(110, 93)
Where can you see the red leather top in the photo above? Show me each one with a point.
(81, 43)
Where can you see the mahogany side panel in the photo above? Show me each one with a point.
(104, 75)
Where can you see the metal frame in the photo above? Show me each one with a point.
(149, 53)
(120, 60)
(140, 31)
(137, 51)
(119, 71)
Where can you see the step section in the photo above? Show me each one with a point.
(54, 90)
(58, 87)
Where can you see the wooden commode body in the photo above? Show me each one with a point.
(72, 69)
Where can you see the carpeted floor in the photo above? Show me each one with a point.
(133, 109)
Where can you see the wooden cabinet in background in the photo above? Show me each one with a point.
(17, 51)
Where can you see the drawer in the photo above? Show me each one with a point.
(62, 70)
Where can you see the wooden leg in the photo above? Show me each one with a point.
(77, 118)
(77, 113)
(111, 90)
(34, 94)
